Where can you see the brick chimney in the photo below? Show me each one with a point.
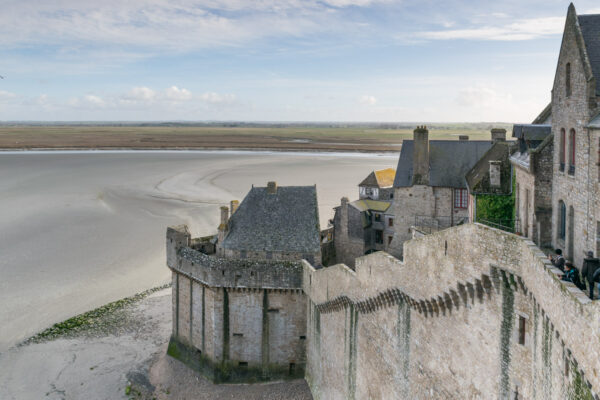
(421, 156)
(233, 206)
(498, 135)
(272, 187)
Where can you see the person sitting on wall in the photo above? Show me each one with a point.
(558, 261)
(590, 265)
(572, 275)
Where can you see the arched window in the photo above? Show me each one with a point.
(562, 223)
(562, 149)
(572, 151)
(568, 79)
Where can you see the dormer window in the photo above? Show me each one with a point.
(568, 79)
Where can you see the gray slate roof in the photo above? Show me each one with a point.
(449, 162)
(533, 132)
(285, 221)
(590, 28)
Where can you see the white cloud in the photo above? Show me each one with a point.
(524, 29)
(480, 97)
(176, 94)
(5, 96)
(139, 94)
(366, 99)
(216, 98)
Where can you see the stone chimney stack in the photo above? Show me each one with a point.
(495, 176)
(272, 188)
(498, 135)
(223, 224)
(233, 206)
(421, 156)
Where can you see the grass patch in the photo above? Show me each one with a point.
(102, 319)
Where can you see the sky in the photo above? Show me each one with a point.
(279, 60)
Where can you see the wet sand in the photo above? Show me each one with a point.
(81, 229)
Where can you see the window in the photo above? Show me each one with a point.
(379, 236)
(238, 334)
(377, 217)
(460, 198)
(568, 79)
(562, 149)
(391, 222)
(572, 152)
(562, 228)
(390, 240)
(522, 321)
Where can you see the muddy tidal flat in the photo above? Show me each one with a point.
(82, 229)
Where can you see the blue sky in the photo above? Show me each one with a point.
(279, 60)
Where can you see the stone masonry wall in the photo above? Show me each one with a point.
(445, 323)
(573, 112)
(525, 199)
(236, 320)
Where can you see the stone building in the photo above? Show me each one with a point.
(490, 176)
(430, 190)
(532, 163)
(239, 312)
(379, 185)
(576, 132)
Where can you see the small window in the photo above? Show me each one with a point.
(568, 79)
(243, 364)
(302, 337)
(238, 334)
(572, 152)
(522, 322)
(391, 222)
(460, 198)
(292, 368)
(390, 240)
(273, 310)
(377, 217)
(379, 236)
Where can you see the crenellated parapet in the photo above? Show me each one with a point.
(471, 299)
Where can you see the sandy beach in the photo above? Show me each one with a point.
(81, 229)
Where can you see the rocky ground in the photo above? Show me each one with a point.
(117, 352)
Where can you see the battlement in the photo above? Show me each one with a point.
(470, 298)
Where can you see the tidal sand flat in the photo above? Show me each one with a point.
(81, 229)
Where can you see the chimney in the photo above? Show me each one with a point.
(463, 138)
(233, 206)
(421, 156)
(272, 188)
(498, 135)
(224, 216)
(495, 179)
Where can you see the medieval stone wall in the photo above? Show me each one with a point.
(525, 200)
(471, 312)
(236, 320)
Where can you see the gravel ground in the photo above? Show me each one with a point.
(110, 359)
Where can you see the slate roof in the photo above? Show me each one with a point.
(285, 221)
(590, 29)
(595, 122)
(531, 132)
(449, 161)
(478, 177)
(382, 178)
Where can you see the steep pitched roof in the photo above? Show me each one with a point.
(285, 221)
(382, 178)
(545, 117)
(449, 161)
(531, 132)
(478, 177)
(590, 30)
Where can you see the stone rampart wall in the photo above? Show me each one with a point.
(472, 312)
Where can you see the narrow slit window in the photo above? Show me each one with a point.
(522, 324)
